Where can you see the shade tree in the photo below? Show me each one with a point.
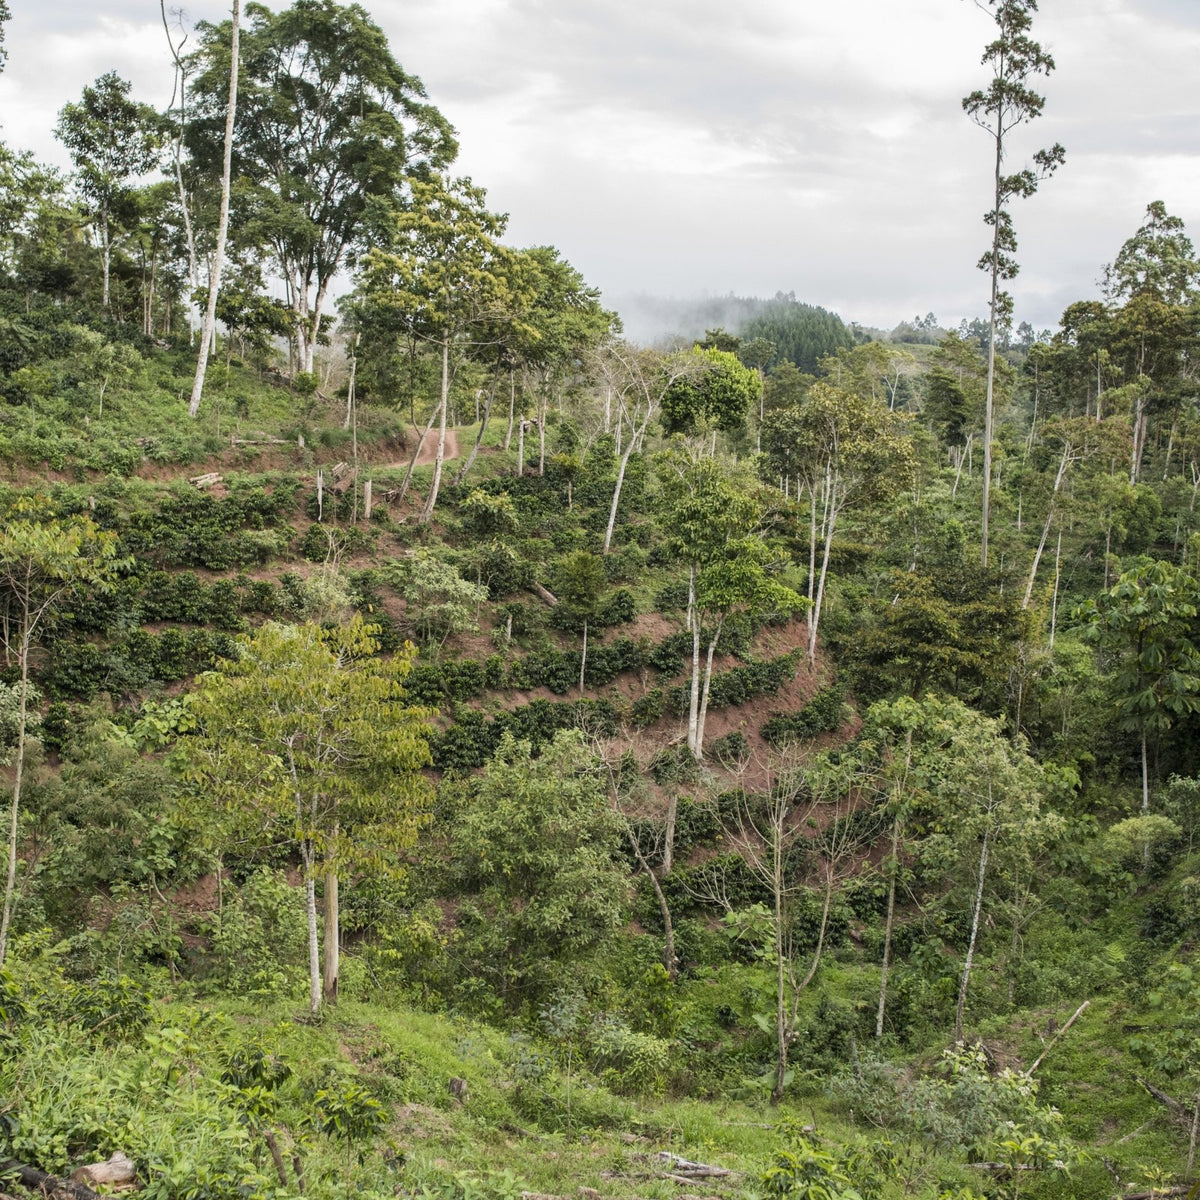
(307, 740)
(112, 139)
(328, 122)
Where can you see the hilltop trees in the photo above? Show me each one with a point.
(328, 122)
(111, 139)
(440, 271)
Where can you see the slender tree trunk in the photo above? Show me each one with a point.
(704, 690)
(431, 499)
(332, 938)
(812, 641)
(783, 1031)
(887, 931)
(1054, 597)
(812, 569)
(542, 437)
(990, 396)
(106, 251)
(583, 658)
(960, 1007)
(512, 406)
(487, 412)
(669, 959)
(317, 313)
(694, 689)
(521, 446)
(314, 951)
(214, 281)
(10, 882)
(1037, 558)
(1145, 773)
(625, 456)
(668, 854)
(412, 462)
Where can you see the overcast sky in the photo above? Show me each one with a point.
(690, 147)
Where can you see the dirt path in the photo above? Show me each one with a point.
(428, 451)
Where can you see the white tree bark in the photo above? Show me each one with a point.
(214, 282)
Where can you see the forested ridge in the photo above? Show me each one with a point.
(454, 751)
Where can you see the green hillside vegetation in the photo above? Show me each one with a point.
(480, 757)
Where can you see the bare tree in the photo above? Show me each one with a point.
(796, 841)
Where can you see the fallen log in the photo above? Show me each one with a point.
(1180, 1189)
(545, 595)
(1173, 1105)
(118, 1171)
(45, 1184)
(1037, 1062)
(695, 1170)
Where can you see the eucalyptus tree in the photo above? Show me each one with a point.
(640, 380)
(848, 451)
(709, 519)
(327, 121)
(218, 259)
(111, 139)
(564, 322)
(1008, 102)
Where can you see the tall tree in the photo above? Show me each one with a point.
(327, 121)
(848, 450)
(308, 736)
(112, 139)
(44, 560)
(441, 272)
(218, 259)
(1007, 102)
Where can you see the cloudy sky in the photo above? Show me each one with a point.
(690, 147)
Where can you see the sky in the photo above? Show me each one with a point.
(684, 148)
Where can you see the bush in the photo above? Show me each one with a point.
(826, 711)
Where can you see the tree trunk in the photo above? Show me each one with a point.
(960, 1007)
(816, 622)
(106, 251)
(332, 939)
(218, 262)
(583, 659)
(694, 691)
(10, 882)
(521, 446)
(1037, 558)
(431, 499)
(1054, 597)
(542, 437)
(487, 412)
(887, 931)
(669, 960)
(314, 950)
(782, 1030)
(990, 396)
(705, 689)
(512, 405)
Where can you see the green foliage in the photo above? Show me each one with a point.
(825, 711)
(534, 857)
